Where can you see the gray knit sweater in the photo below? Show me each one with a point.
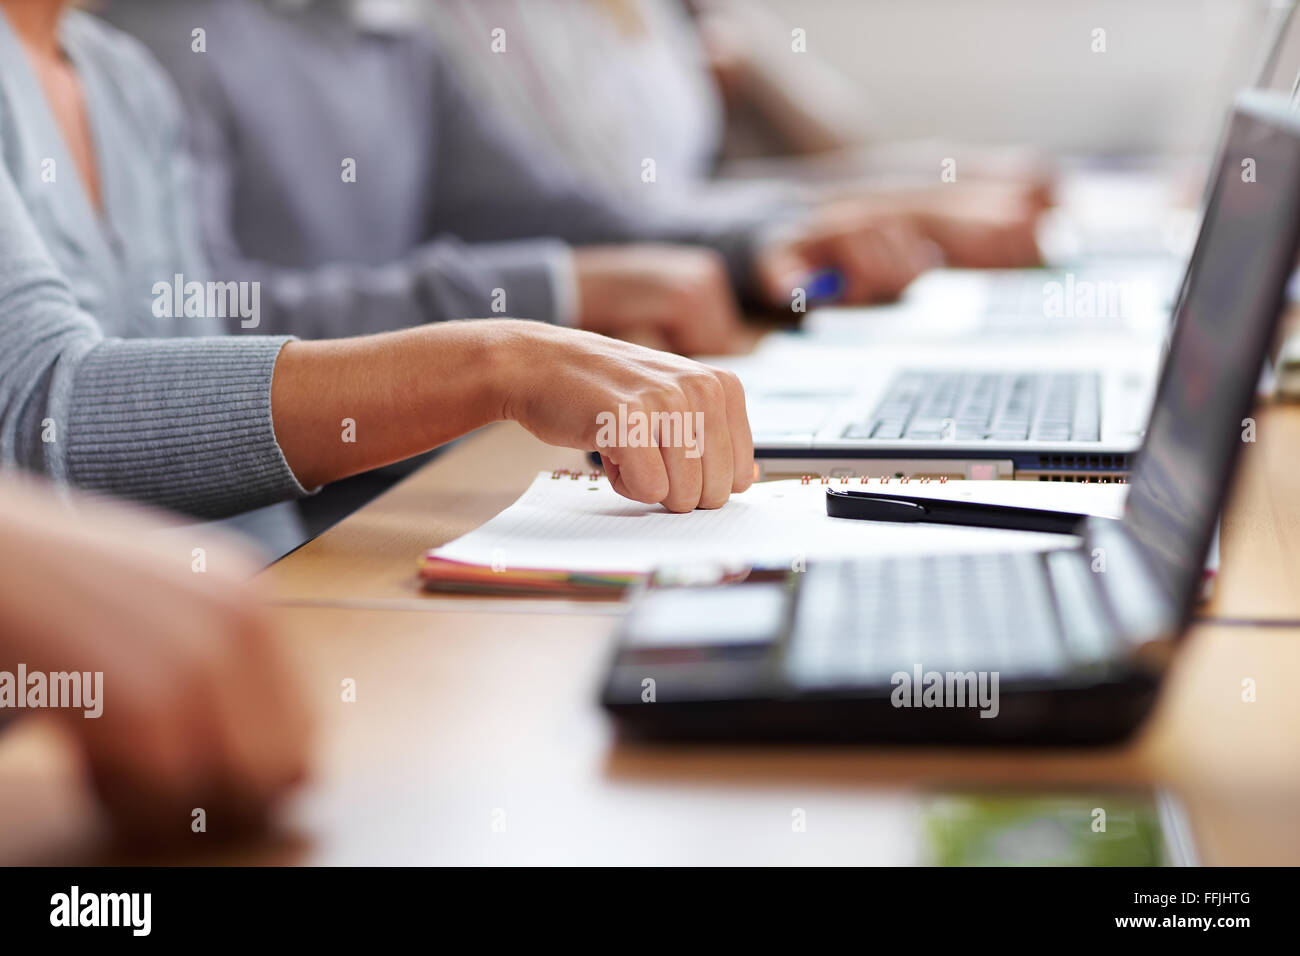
(95, 388)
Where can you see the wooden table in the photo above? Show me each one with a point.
(476, 738)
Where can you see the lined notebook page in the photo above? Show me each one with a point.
(582, 524)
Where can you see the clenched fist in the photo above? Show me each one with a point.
(668, 429)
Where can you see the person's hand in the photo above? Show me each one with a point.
(669, 430)
(989, 226)
(876, 255)
(196, 707)
(677, 294)
(1031, 175)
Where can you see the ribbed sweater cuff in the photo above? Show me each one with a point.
(181, 423)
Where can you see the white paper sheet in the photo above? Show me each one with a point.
(584, 525)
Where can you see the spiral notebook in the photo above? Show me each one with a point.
(571, 534)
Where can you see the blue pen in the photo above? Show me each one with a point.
(824, 285)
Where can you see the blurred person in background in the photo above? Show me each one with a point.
(446, 205)
(370, 192)
(606, 84)
(194, 707)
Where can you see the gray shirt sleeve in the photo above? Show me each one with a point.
(181, 423)
(436, 281)
(441, 279)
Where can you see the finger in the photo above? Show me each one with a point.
(611, 470)
(685, 474)
(858, 260)
(266, 711)
(144, 811)
(154, 768)
(906, 255)
(870, 255)
(1027, 251)
(639, 473)
(1006, 249)
(785, 268)
(713, 446)
(972, 248)
(738, 431)
(923, 254)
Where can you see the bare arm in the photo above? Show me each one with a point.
(810, 106)
(343, 406)
(405, 392)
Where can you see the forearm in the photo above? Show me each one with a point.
(345, 406)
(809, 126)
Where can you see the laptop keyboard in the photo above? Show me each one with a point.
(1022, 614)
(858, 622)
(993, 406)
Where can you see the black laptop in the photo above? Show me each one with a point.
(1060, 646)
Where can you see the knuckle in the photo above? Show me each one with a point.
(664, 397)
(706, 385)
(730, 381)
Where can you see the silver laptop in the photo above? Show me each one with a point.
(1070, 411)
(1028, 374)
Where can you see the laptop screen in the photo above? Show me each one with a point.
(1223, 329)
(1280, 61)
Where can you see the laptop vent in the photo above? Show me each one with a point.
(1085, 462)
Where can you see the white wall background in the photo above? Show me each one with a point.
(1023, 70)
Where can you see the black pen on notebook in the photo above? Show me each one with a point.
(878, 506)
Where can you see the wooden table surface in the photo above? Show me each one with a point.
(475, 736)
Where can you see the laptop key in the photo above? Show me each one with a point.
(997, 406)
(927, 424)
(887, 430)
(1051, 434)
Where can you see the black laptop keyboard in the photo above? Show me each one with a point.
(992, 406)
(858, 622)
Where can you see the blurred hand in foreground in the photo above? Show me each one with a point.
(196, 709)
